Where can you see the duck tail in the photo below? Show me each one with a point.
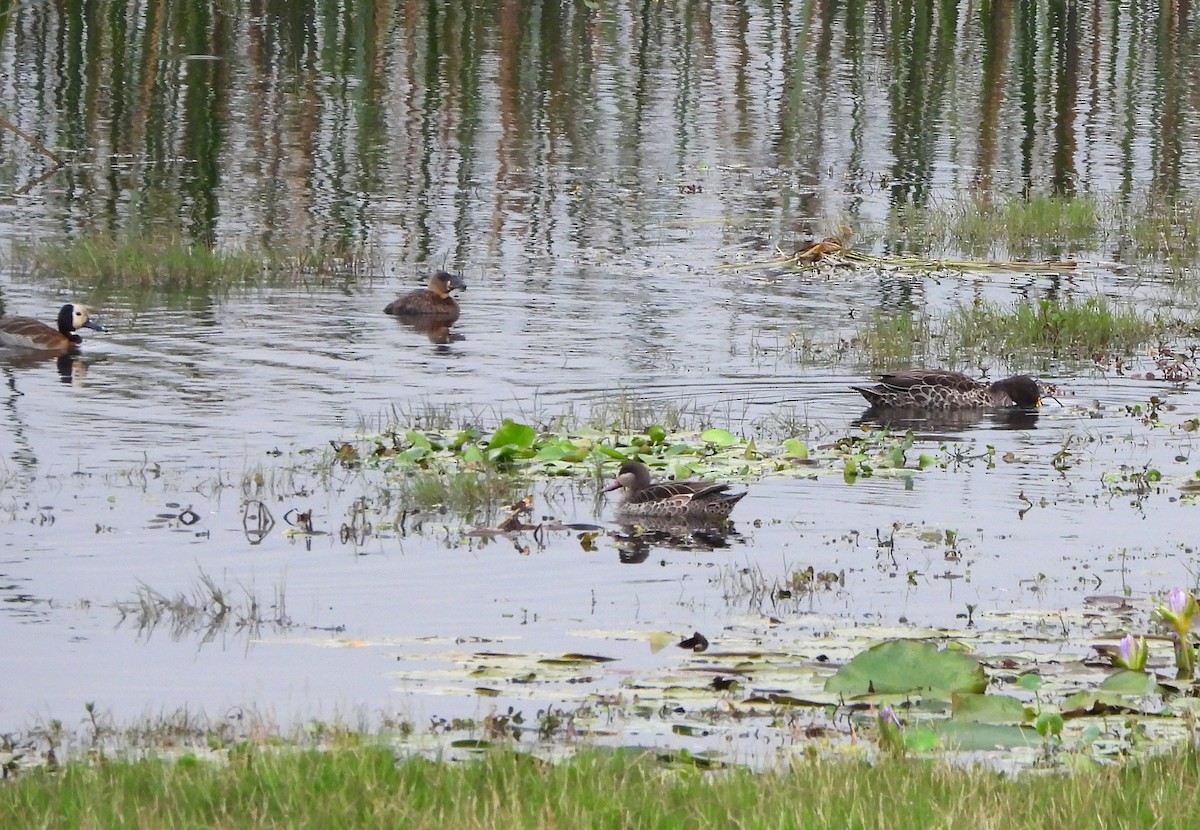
(874, 398)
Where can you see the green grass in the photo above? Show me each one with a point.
(1017, 332)
(895, 340)
(999, 227)
(367, 788)
(1038, 224)
(466, 493)
(165, 264)
(1163, 230)
(1077, 328)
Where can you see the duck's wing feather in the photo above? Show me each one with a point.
(915, 378)
(680, 492)
(30, 333)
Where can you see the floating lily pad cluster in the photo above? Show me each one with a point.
(520, 449)
(948, 698)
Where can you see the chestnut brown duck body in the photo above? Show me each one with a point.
(434, 299)
(671, 499)
(942, 390)
(28, 333)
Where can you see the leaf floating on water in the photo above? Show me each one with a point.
(683, 758)
(1130, 683)
(967, 736)
(470, 743)
(660, 640)
(904, 666)
(719, 437)
(980, 708)
(795, 448)
(1099, 703)
(789, 700)
(574, 658)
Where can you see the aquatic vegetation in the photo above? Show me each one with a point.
(1094, 328)
(1078, 328)
(465, 493)
(1164, 229)
(518, 449)
(1131, 653)
(156, 263)
(207, 609)
(1179, 613)
(908, 666)
(897, 339)
(1043, 224)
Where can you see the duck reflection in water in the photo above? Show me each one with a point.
(437, 329)
(70, 365)
(926, 422)
(635, 542)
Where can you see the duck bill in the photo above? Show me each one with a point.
(616, 485)
(92, 324)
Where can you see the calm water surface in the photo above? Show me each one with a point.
(591, 200)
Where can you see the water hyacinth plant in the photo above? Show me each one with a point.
(890, 737)
(1132, 653)
(1178, 613)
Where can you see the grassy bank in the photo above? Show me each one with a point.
(368, 788)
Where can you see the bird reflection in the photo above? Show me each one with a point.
(925, 421)
(635, 542)
(434, 326)
(69, 364)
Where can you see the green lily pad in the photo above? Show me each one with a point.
(1049, 723)
(1097, 703)
(1129, 683)
(967, 736)
(795, 448)
(904, 666)
(1030, 682)
(513, 434)
(719, 437)
(990, 709)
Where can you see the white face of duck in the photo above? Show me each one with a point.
(80, 318)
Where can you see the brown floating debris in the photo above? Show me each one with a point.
(836, 250)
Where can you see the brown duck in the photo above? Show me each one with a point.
(938, 389)
(28, 333)
(433, 299)
(671, 499)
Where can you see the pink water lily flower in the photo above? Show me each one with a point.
(1132, 653)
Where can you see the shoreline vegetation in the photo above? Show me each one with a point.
(370, 786)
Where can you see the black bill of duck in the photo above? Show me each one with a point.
(941, 390)
(433, 299)
(28, 333)
(705, 500)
